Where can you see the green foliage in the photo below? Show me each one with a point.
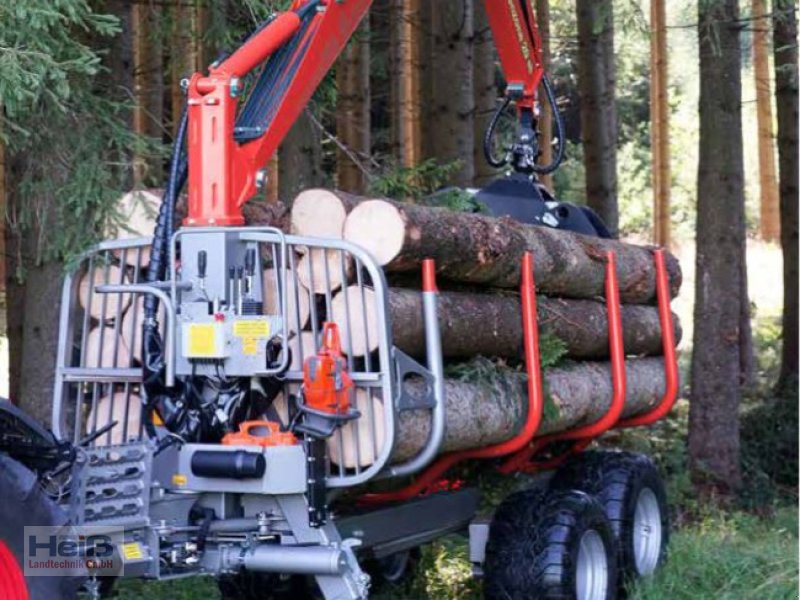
(413, 182)
(43, 49)
(68, 142)
(455, 199)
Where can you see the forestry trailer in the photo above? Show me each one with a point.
(168, 455)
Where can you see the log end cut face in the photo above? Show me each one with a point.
(318, 213)
(378, 227)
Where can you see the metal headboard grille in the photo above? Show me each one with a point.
(98, 374)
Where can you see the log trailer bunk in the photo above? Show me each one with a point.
(206, 484)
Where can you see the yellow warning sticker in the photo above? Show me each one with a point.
(132, 551)
(251, 329)
(202, 341)
(250, 346)
(178, 479)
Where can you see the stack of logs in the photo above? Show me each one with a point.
(478, 260)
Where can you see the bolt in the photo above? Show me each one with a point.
(235, 87)
(262, 177)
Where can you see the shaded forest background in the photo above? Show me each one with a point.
(681, 129)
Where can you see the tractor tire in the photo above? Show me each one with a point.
(25, 503)
(548, 545)
(631, 492)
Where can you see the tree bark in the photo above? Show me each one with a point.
(491, 411)
(770, 224)
(485, 89)
(148, 73)
(786, 84)
(453, 135)
(597, 84)
(491, 324)
(300, 159)
(404, 48)
(353, 112)
(660, 117)
(40, 339)
(546, 119)
(484, 250)
(716, 358)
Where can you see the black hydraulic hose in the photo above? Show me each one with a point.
(559, 122)
(489, 137)
(165, 224)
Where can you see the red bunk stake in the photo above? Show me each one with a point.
(585, 434)
(670, 355)
(530, 325)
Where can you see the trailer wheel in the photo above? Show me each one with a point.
(550, 545)
(631, 491)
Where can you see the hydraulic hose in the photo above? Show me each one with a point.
(152, 345)
(559, 123)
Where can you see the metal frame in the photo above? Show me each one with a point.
(378, 375)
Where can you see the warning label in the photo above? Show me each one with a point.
(251, 329)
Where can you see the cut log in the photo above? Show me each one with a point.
(131, 327)
(106, 348)
(321, 213)
(115, 408)
(137, 212)
(302, 346)
(324, 270)
(354, 311)
(484, 250)
(480, 414)
(357, 442)
(297, 299)
(491, 324)
(266, 215)
(104, 307)
(360, 441)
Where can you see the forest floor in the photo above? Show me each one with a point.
(745, 551)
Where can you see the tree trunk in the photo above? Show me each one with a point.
(353, 112)
(406, 126)
(660, 117)
(40, 339)
(300, 158)
(546, 119)
(491, 324)
(485, 89)
(484, 250)
(786, 76)
(770, 224)
(493, 410)
(183, 55)
(597, 84)
(453, 134)
(716, 358)
(148, 74)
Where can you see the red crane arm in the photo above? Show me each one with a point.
(227, 150)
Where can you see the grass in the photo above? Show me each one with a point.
(730, 557)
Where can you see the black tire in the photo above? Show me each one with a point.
(621, 482)
(534, 548)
